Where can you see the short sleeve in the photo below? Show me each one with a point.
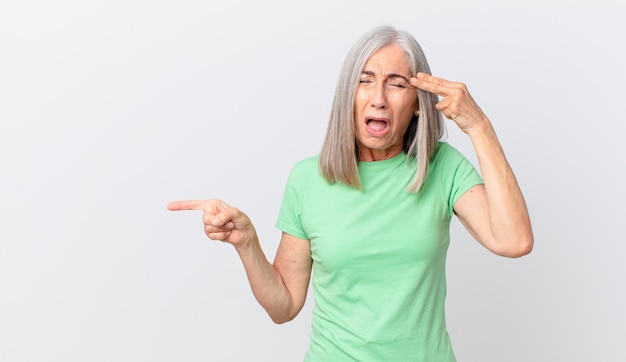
(457, 172)
(290, 215)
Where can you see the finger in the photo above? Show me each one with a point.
(188, 205)
(210, 218)
(443, 104)
(221, 235)
(431, 84)
(210, 229)
(449, 109)
(226, 216)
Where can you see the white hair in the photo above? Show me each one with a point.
(339, 156)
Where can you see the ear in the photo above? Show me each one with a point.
(417, 112)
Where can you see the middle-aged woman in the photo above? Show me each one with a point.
(370, 215)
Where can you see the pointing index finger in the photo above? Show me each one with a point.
(188, 205)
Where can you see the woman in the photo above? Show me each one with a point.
(371, 213)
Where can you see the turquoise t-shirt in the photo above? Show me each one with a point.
(378, 256)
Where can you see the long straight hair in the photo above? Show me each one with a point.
(339, 156)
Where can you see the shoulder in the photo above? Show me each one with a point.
(447, 156)
(448, 162)
(446, 151)
(306, 165)
(307, 162)
(305, 168)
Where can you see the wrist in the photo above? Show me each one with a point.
(482, 127)
(248, 246)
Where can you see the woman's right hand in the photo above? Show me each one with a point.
(221, 221)
(280, 288)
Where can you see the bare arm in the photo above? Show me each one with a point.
(280, 288)
(494, 213)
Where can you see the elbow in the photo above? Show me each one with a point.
(517, 248)
(282, 319)
(520, 251)
(282, 316)
(282, 312)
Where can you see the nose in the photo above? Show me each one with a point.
(379, 96)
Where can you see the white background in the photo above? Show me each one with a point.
(109, 110)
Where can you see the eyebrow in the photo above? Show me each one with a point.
(390, 75)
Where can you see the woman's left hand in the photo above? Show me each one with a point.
(456, 104)
(494, 213)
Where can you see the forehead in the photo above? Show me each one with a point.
(388, 59)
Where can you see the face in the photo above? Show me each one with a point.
(384, 105)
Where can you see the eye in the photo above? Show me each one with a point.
(398, 85)
(366, 81)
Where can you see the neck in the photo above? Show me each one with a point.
(372, 155)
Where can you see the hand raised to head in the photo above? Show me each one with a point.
(221, 221)
(456, 104)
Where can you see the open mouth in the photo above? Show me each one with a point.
(377, 126)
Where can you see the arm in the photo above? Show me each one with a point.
(280, 288)
(494, 213)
